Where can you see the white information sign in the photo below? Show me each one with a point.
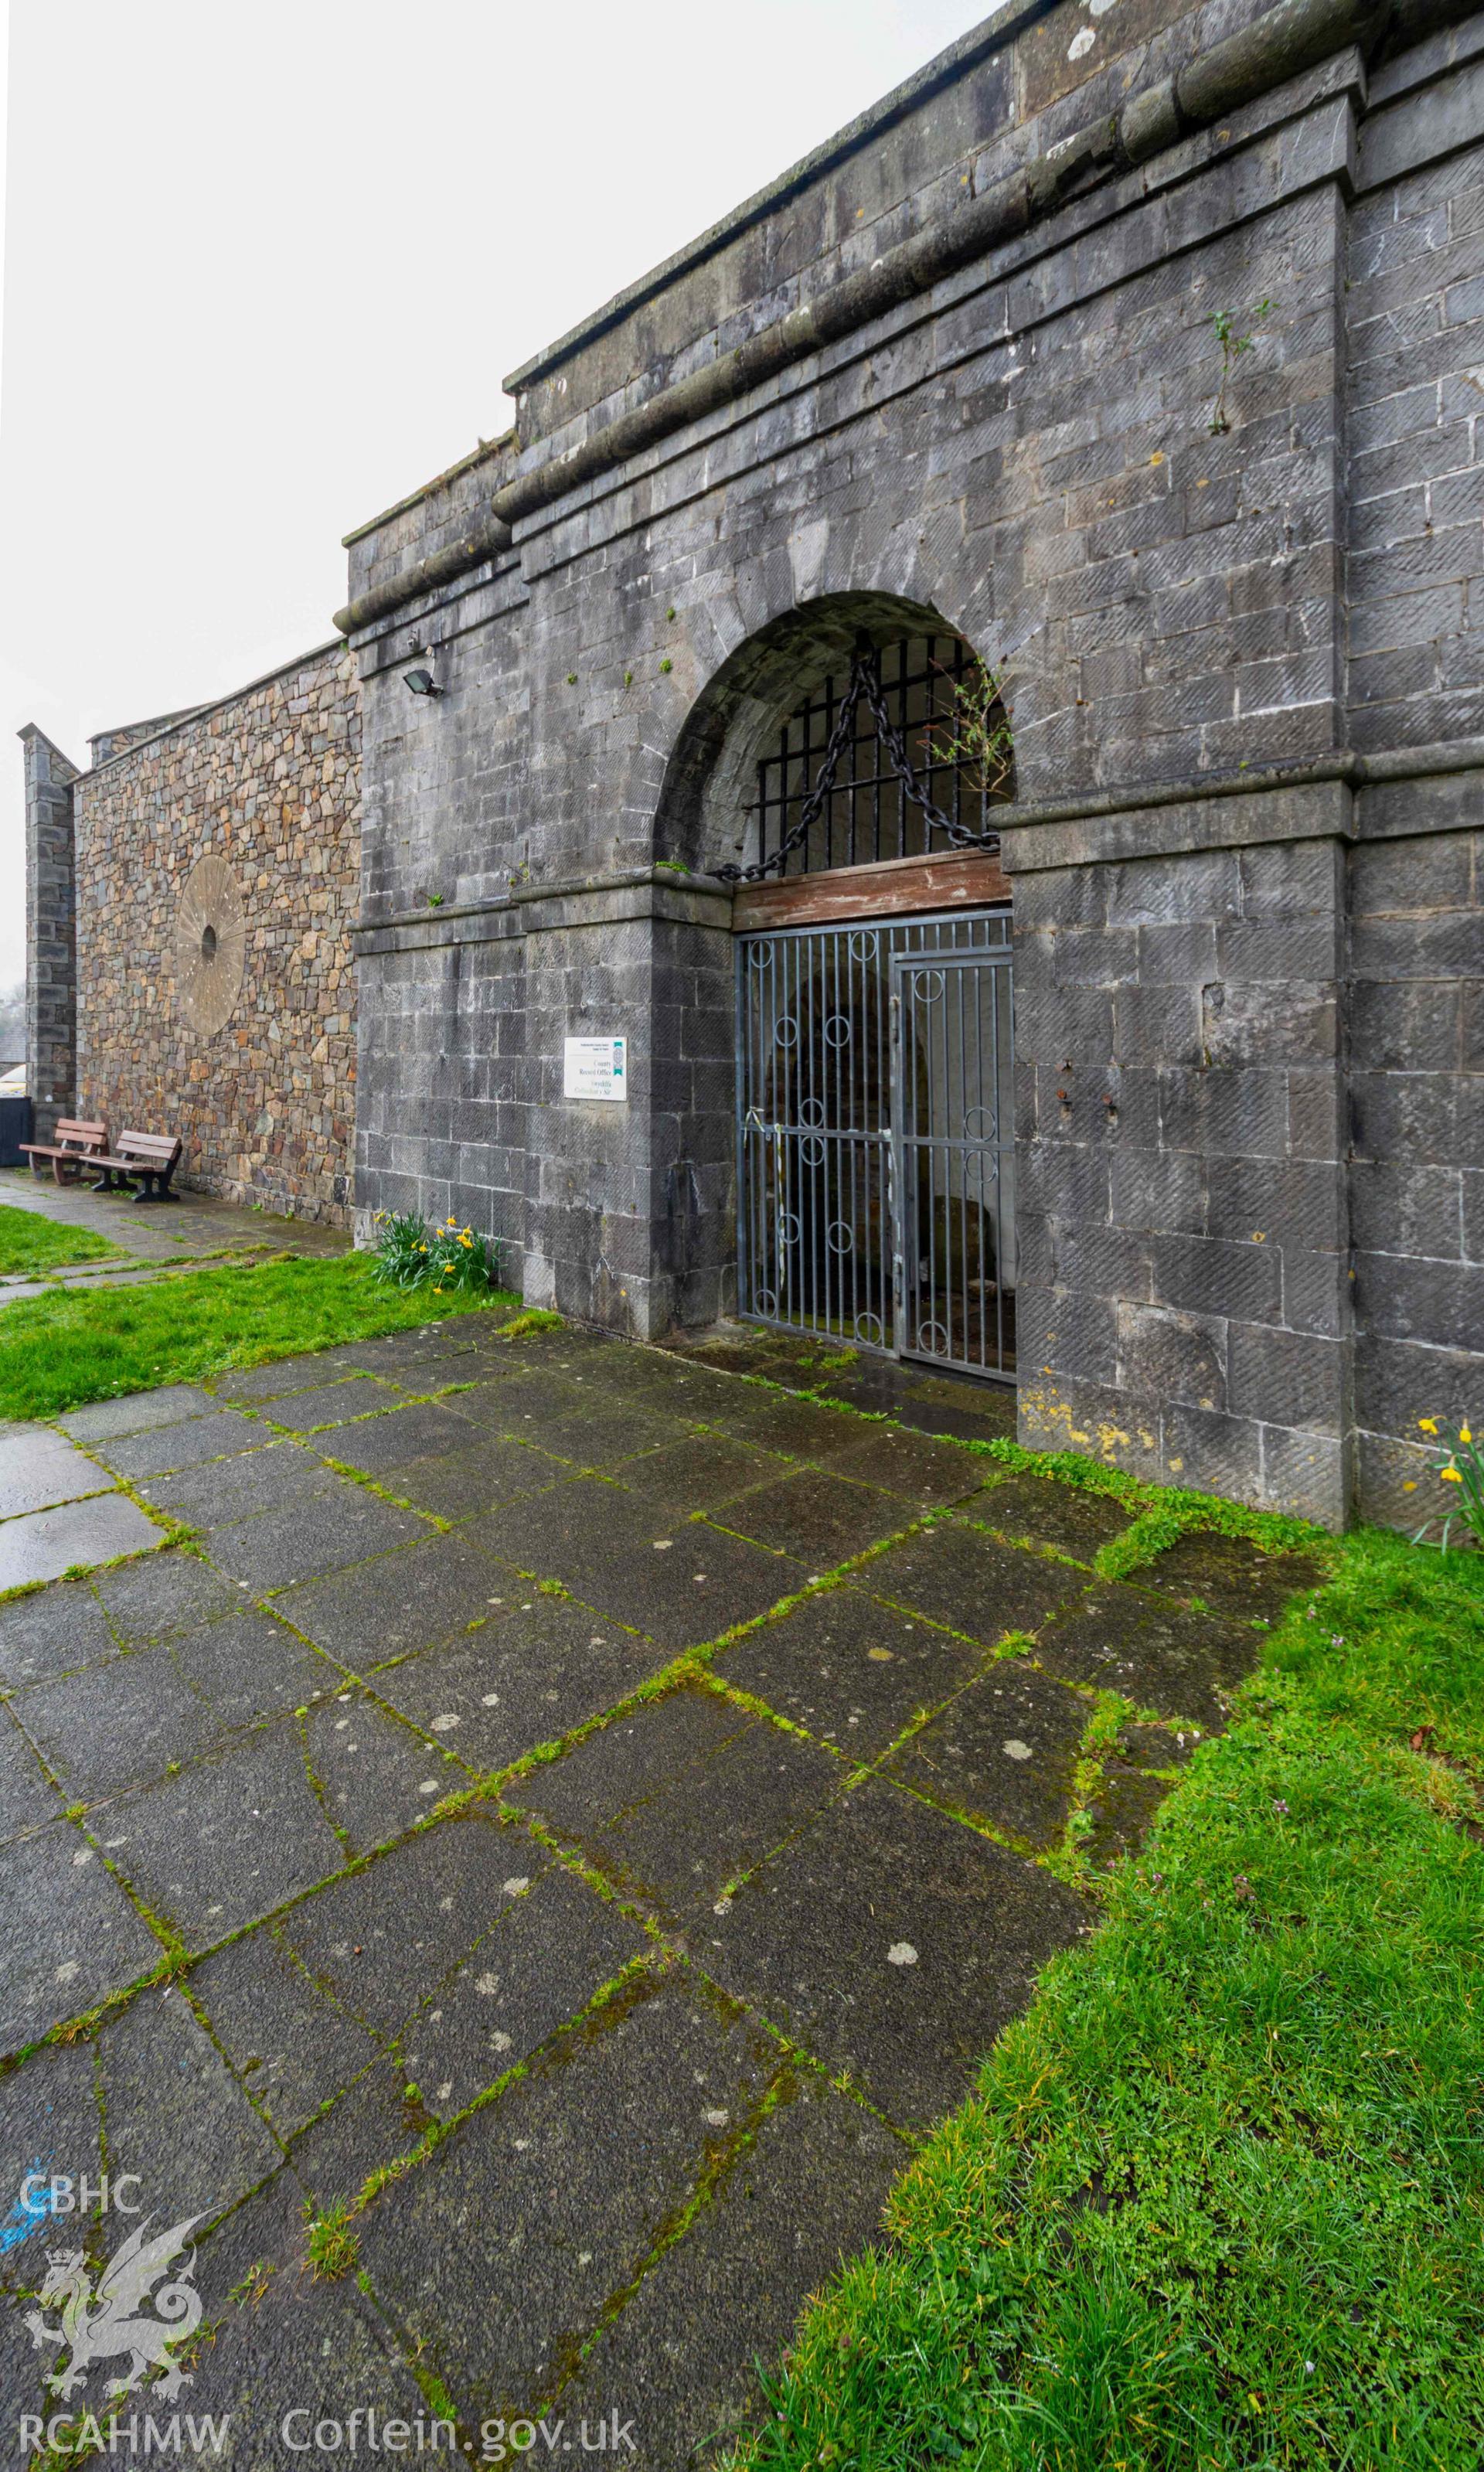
(596, 1068)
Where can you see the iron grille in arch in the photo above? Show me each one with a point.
(863, 772)
(875, 1136)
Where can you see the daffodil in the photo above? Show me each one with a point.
(1426, 1424)
(1463, 1434)
(1452, 1475)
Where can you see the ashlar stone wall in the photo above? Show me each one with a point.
(249, 1053)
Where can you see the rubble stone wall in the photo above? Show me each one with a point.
(269, 783)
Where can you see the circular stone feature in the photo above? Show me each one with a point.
(211, 947)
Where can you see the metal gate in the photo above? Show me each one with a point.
(875, 1136)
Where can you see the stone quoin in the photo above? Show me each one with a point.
(1129, 361)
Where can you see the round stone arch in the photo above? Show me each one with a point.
(710, 777)
(793, 1192)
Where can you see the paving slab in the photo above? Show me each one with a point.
(554, 1946)
(400, 1602)
(223, 1491)
(699, 1471)
(287, 1374)
(917, 1466)
(848, 1669)
(1161, 1656)
(673, 1802)
(799, 1429)
(175, 2115)
(434, 1352)
(174, 1591)
(189, 1443)
(605, 1433)
(325, 2344)
(376, 1776)
(68, 1934)
(961, 1576)
(491, 1470)
(227, 1841)
(1034, 1510)
(1136, 1778)
(1228, 1576)
(680, 2361)
(498, 2255)
(537, 1669)
(51, 1633)
(42, 1544)
(28, 1800)
(968, 1409)
(375, 2122)
(333, 1403)
(409, 1433)
(105, 1419)
(116, 1725)
(380, 1941)
(820, 1519)
(679, 1582)
(1003, 1751)
(306, 1540)
(38, 1468)
(250, 1667)
(892, 1941)
(511, 1398)
(49, 2123)
(291, 2044)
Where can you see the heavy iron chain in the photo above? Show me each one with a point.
(865, 687)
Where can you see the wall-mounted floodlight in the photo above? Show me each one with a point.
(420, 683)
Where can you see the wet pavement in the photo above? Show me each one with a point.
(576, 1812)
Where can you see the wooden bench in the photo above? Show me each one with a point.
(77, 1145)
(150, 1158)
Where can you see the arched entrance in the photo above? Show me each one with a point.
(853, 805)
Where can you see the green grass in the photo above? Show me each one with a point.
(30, 1243)
(1220, 2202)
(57, 1353)
(330, 2246)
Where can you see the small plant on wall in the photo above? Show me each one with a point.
(410, 1254)
(1232, 347)
(974, 731)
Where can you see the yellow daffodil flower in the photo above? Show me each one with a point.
(1463, 1434)
(1426, 1424)
(1452, 1475)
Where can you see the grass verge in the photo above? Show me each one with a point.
(1220, 2200)
(33, 1245)
(59, 1352)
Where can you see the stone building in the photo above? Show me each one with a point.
(1040, 537)
(192, 895)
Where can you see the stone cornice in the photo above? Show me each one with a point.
(1281, 44)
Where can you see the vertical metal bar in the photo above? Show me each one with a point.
(962, 1349)
(738, 1068)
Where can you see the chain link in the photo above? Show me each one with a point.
(865, 687)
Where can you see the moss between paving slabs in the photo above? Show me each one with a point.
(60, 1352)
(33, 1245)
(1220, 2199)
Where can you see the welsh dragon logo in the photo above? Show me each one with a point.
(96, 2324)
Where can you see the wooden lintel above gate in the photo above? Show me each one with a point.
(890, 888)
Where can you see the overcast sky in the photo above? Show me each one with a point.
(267, 261)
